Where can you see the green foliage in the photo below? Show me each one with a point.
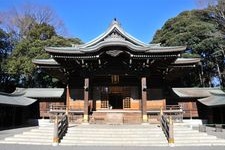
(190, 55)
(5, 49)
(4, 46)
(198, 30)
(32, 47)
(41, 32)
(191, 28)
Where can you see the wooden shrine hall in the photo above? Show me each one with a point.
(115, 76)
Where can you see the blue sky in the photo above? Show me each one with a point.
(87, 19)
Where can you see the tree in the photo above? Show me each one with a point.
(5, 50)
(199, 32)
(20, 63)
(216, 10)
(19, 20)
(31, 27)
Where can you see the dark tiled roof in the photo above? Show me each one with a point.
(15, 99)
(40, 92)
(216, 99)
(195, 92)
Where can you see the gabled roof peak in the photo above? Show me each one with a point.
(115, 36)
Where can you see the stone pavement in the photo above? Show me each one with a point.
(38, 147)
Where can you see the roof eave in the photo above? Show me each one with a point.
(49, 62)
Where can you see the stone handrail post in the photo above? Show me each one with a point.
(167, 127)
(171, 131)
(55, 132)
(60, 129)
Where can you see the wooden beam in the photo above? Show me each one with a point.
(67, 99)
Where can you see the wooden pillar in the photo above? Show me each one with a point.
(210, 115)
(67, 99)
(221, 115)
(86, 93)
(144, 99)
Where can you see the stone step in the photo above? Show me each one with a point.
(201, 141)
(186, 131)
(195, 137)
(28, 139)
(185, 136)
(114, 138)
(33, 136)
(99, 130)
(114, 144)
(43, 131)
(193, 144)
(38, 133)
(115, 132)
(116, 126)
(190, 134)
(22, 142)
(116, 129)
(113, 135)
(111, 129)
(37, 136)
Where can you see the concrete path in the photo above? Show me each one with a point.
(38, 147)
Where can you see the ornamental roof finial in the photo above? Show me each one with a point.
(115, 21)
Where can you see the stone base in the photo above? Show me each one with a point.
(85, 123)
(145, 123)
(145, 118)
(85, 118)
(114, 118)
(55, 144)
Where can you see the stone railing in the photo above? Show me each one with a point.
(175, 112)
(60, 129)
(167, 127)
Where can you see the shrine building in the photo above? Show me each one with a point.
(118, 76)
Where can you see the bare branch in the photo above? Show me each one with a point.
(19, 20)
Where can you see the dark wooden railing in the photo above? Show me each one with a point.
(173, 107)
(167, 127)
(60, 129)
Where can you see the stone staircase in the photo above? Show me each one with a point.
(38, 136)
(186, 136)
(115, 135)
